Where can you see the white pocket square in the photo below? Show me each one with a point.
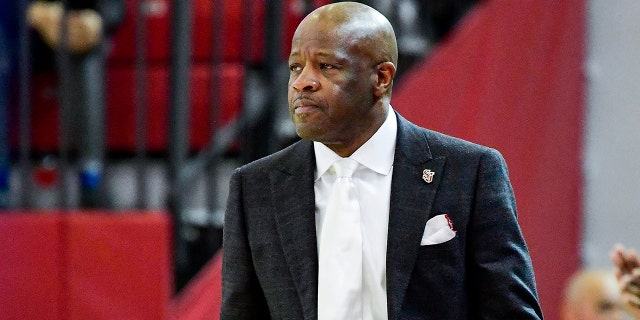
(439, 229)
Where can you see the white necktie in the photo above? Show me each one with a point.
(340, 262)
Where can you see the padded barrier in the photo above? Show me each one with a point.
(85, 265)
(200, 299)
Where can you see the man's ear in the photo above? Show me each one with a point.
(383, 78)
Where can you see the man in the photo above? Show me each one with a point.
(468, 262)
(627, 270)
(592, 295)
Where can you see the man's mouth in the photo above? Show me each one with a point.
(303, 105)
(304, 109)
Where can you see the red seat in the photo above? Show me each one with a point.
(44, 113)
(121, 112)
(121, 105)
(158, 15)
(120, 92)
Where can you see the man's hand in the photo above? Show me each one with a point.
(84, 27)
(84, 30)
(627, 270)
(45, 18)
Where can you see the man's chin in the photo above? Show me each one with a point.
(308, 132)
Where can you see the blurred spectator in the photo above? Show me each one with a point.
(627, 271)
(87, 23)
(592, 295)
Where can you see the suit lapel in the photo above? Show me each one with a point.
(411, 201)
(294, 201)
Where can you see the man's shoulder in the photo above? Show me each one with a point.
(444, 144)
(440, 142)
(292, 154)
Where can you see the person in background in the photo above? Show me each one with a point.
(592, 295)
(87, 24)
(627, 272)
(369, 216)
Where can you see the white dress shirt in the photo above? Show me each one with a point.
(372, 180)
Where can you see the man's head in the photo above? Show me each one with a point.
(592, 295)
(343, 61)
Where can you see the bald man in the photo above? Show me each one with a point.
(424, 228)
(592, 295)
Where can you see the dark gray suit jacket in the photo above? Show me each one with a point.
(270, 259)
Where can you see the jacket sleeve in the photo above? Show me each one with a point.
(242, 296)
(501, 275)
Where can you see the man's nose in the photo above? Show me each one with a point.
(305, 81)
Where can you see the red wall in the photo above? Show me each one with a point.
(511, 77)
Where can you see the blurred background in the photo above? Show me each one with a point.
(120, 128)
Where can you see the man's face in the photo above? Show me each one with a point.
(330, 85)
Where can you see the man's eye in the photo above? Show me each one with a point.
(605, 306)
(294, 68)
(325, 66)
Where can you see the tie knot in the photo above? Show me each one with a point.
(345, 167)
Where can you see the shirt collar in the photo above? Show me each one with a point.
(376, 154)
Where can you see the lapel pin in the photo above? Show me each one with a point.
(427, 175)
